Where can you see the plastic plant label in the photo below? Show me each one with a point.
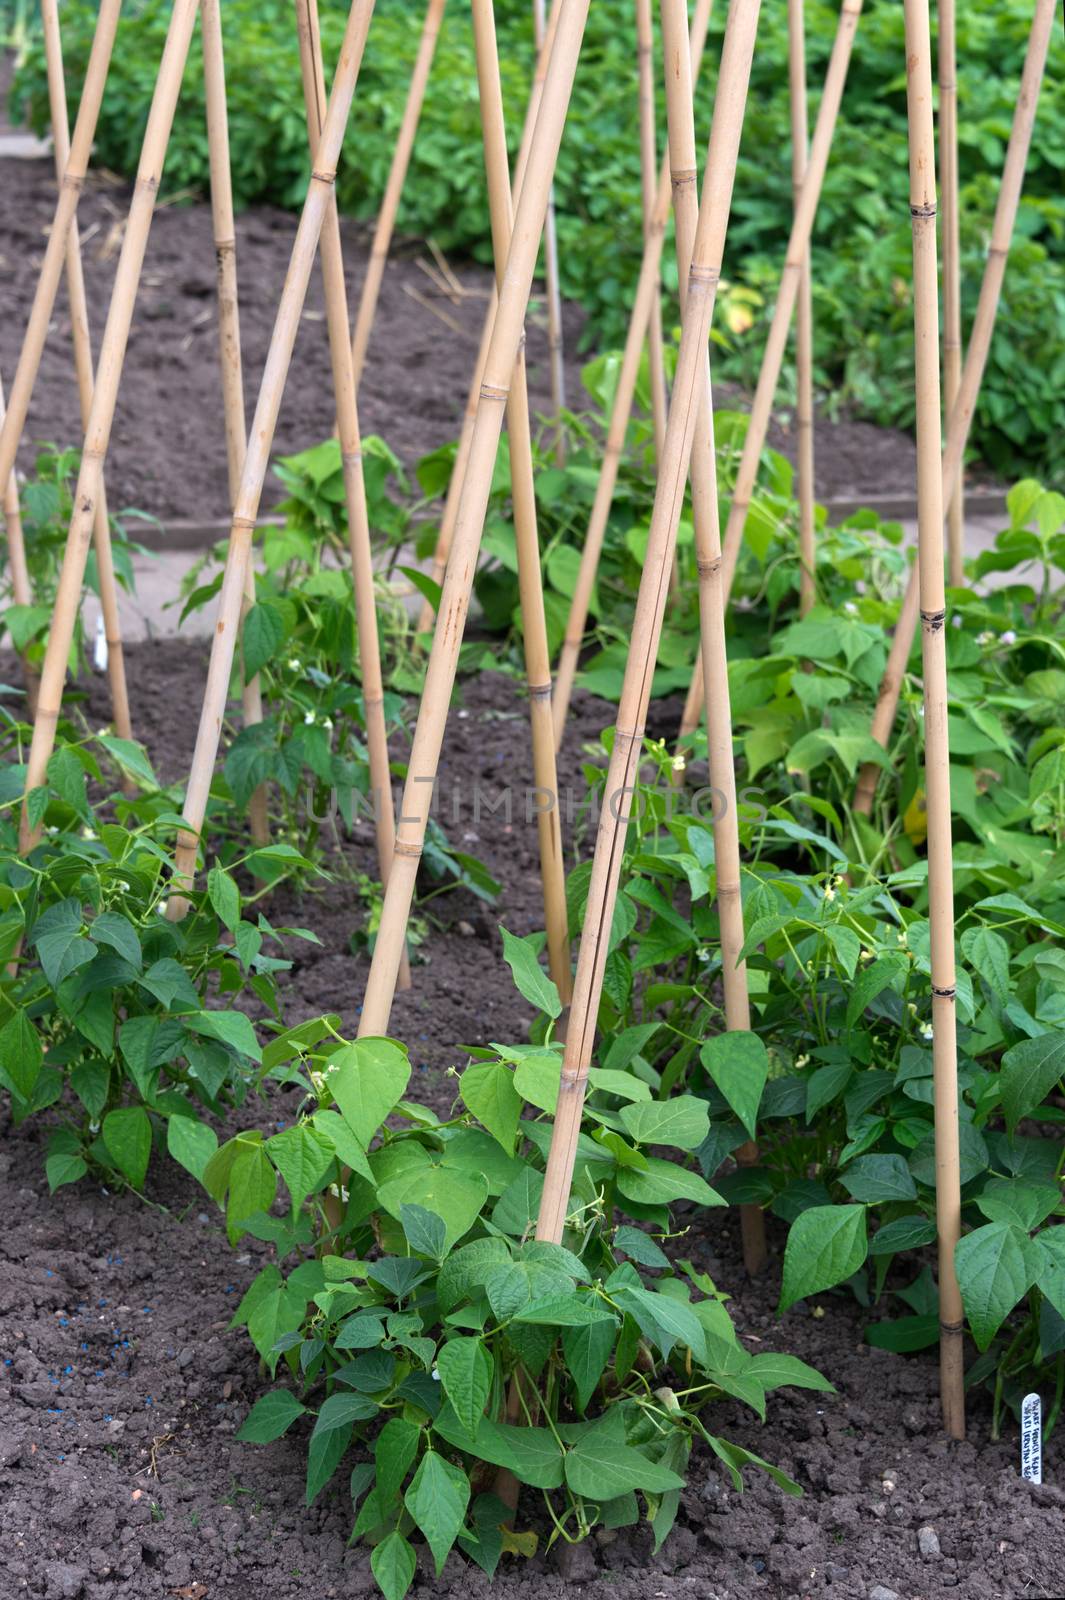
(1032, 1438)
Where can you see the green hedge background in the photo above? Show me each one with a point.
(862, 240)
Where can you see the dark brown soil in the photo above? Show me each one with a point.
(167, 453)
(121, 1389)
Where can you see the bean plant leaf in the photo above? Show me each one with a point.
(425, 1232)
(587, 1351)
(437, 1501)
(529, 976)
(465, 1369)
(601, 1468)
(118, 933)
(393, 1563)
(905, 1233)
(826, 1245)
(683, 1122)
(369, 1080)
(996, 1266)
(262, 636)
(882, 974)
(224, 897)
(488, 1091)
(1030, 1070)
(394, 1450)
(879, 1178)
(661, 1183)
(127, 1135)
(303, 1159)
(271, 1416)
(452, 1196)
(738, 1064)
(191, 1143)
(21, 1054)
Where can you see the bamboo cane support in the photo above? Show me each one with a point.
(804, 317)
(79, 323)
(397, 176)
(689, 389)
(961, 415)
(526, 537)
(621, 411)
(29, 360)
(648, 182)
(682, 159)
(105, 391)
(462, 454)
(937, 750)
(555, 348)
(950, 215)
(455, 598)
(773, 359)
(21, 588)
(359, 543)
(260, 441)
(225, 246)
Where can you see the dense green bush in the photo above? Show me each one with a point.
(862, 247)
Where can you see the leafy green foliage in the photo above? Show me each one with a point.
(861, 247)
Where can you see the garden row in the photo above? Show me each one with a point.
(423, 1338)
(861, 248)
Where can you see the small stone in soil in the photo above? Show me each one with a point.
(880, 1593)
(928, 1544)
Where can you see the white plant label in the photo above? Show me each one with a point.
(99, 655)
(1032, 1438)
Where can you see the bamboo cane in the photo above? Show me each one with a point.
(804, 318)
(260, 440)
(105, 390)
(961, 415)
(462, 454)
(79, 323)
(688, 390)
(621, 410)
(526, 538)
(29, 360)
(648, 180)
(455, 598)
(951, 217)
(787, 294)
(397, 175)
(555, 350)
(225, 246)
(937, 749)
(680, 110)
(21, 588)
(359, 544)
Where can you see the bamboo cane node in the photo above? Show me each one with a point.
(934, 619)
(944, 994)
(927, 209)
(1001, 251)
(412, 851)
(708, 275)
(327, 177)
(953, 1328)
(630, 735)
(685, 178)
(350, 458)
(708, 569)
(243, 522)
(494, 391)
(539, 691)
(73, 181)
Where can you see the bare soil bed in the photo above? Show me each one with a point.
(167, 453)
(121, 1389)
